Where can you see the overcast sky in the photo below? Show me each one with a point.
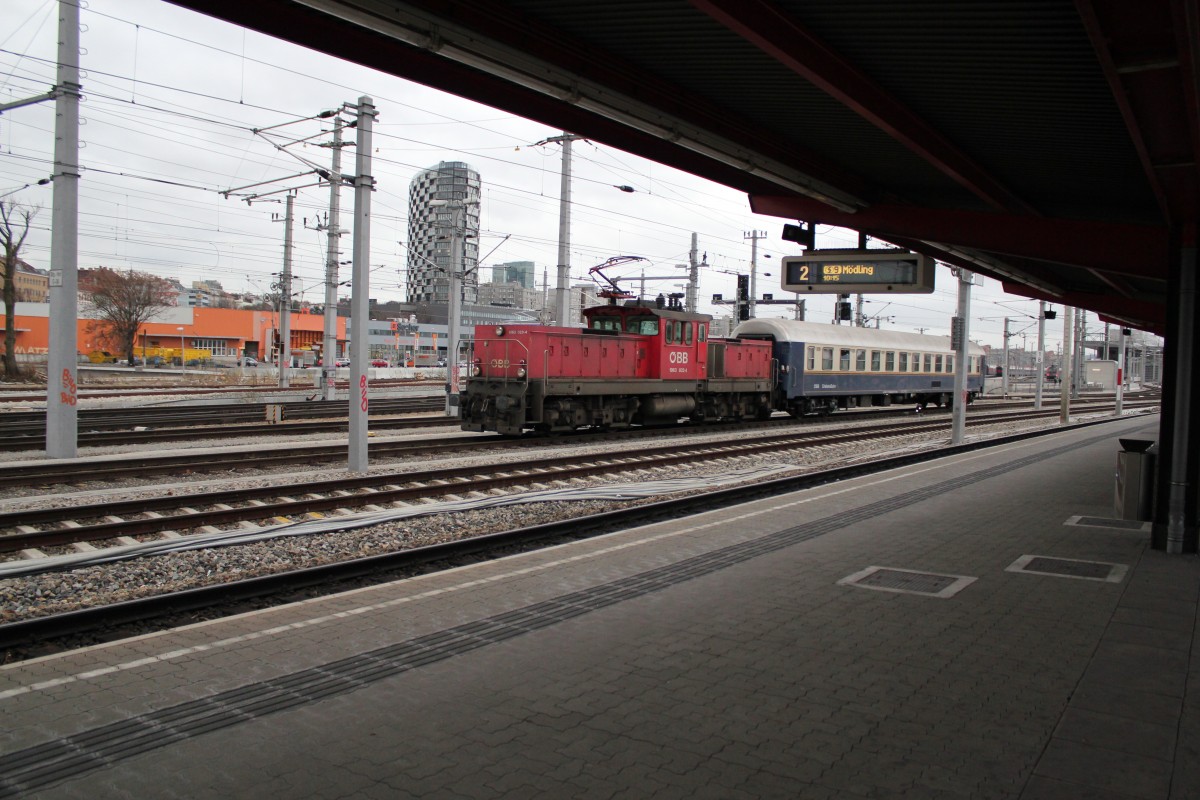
(170, 100)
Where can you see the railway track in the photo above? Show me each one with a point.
(35, 636)
(34, 531)
(103, 427)
(108, 391)
(49, 473)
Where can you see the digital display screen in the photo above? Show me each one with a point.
(857, 271)
(899, 272)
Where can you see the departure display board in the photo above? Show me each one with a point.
(858, 272)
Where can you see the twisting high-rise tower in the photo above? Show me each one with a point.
(429, 232)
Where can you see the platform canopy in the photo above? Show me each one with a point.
(1051, 145)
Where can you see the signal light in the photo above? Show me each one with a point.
(803, 235)
(743, 297)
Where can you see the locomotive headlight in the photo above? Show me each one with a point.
(520, 372)
(476, 371)
(499, 330)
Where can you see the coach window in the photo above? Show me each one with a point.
(812, 358)
(876, 365)
(860, 360)
(937, 363)
(826, 358)
(928, 363)
(904, 362)
(889, 361)
(949, 363)
(844, 360)
(916, 362)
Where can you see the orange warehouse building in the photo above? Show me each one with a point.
(224, 332)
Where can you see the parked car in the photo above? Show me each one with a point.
(249, 362)
(379, 362)
(342, 362)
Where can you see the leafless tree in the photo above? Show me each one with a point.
(15, 220)
(124, 301)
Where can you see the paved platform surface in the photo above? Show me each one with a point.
(721, 656)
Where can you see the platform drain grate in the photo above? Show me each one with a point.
(1070, 568)
(1105, 522)
(907, 581)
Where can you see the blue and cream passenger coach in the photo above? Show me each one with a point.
(826, 367)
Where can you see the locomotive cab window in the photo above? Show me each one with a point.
(645, 326)
(703, 333)
(606, 324)
(687, 333)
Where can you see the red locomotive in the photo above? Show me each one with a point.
(633, 364)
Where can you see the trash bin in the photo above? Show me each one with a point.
(1135, 478)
